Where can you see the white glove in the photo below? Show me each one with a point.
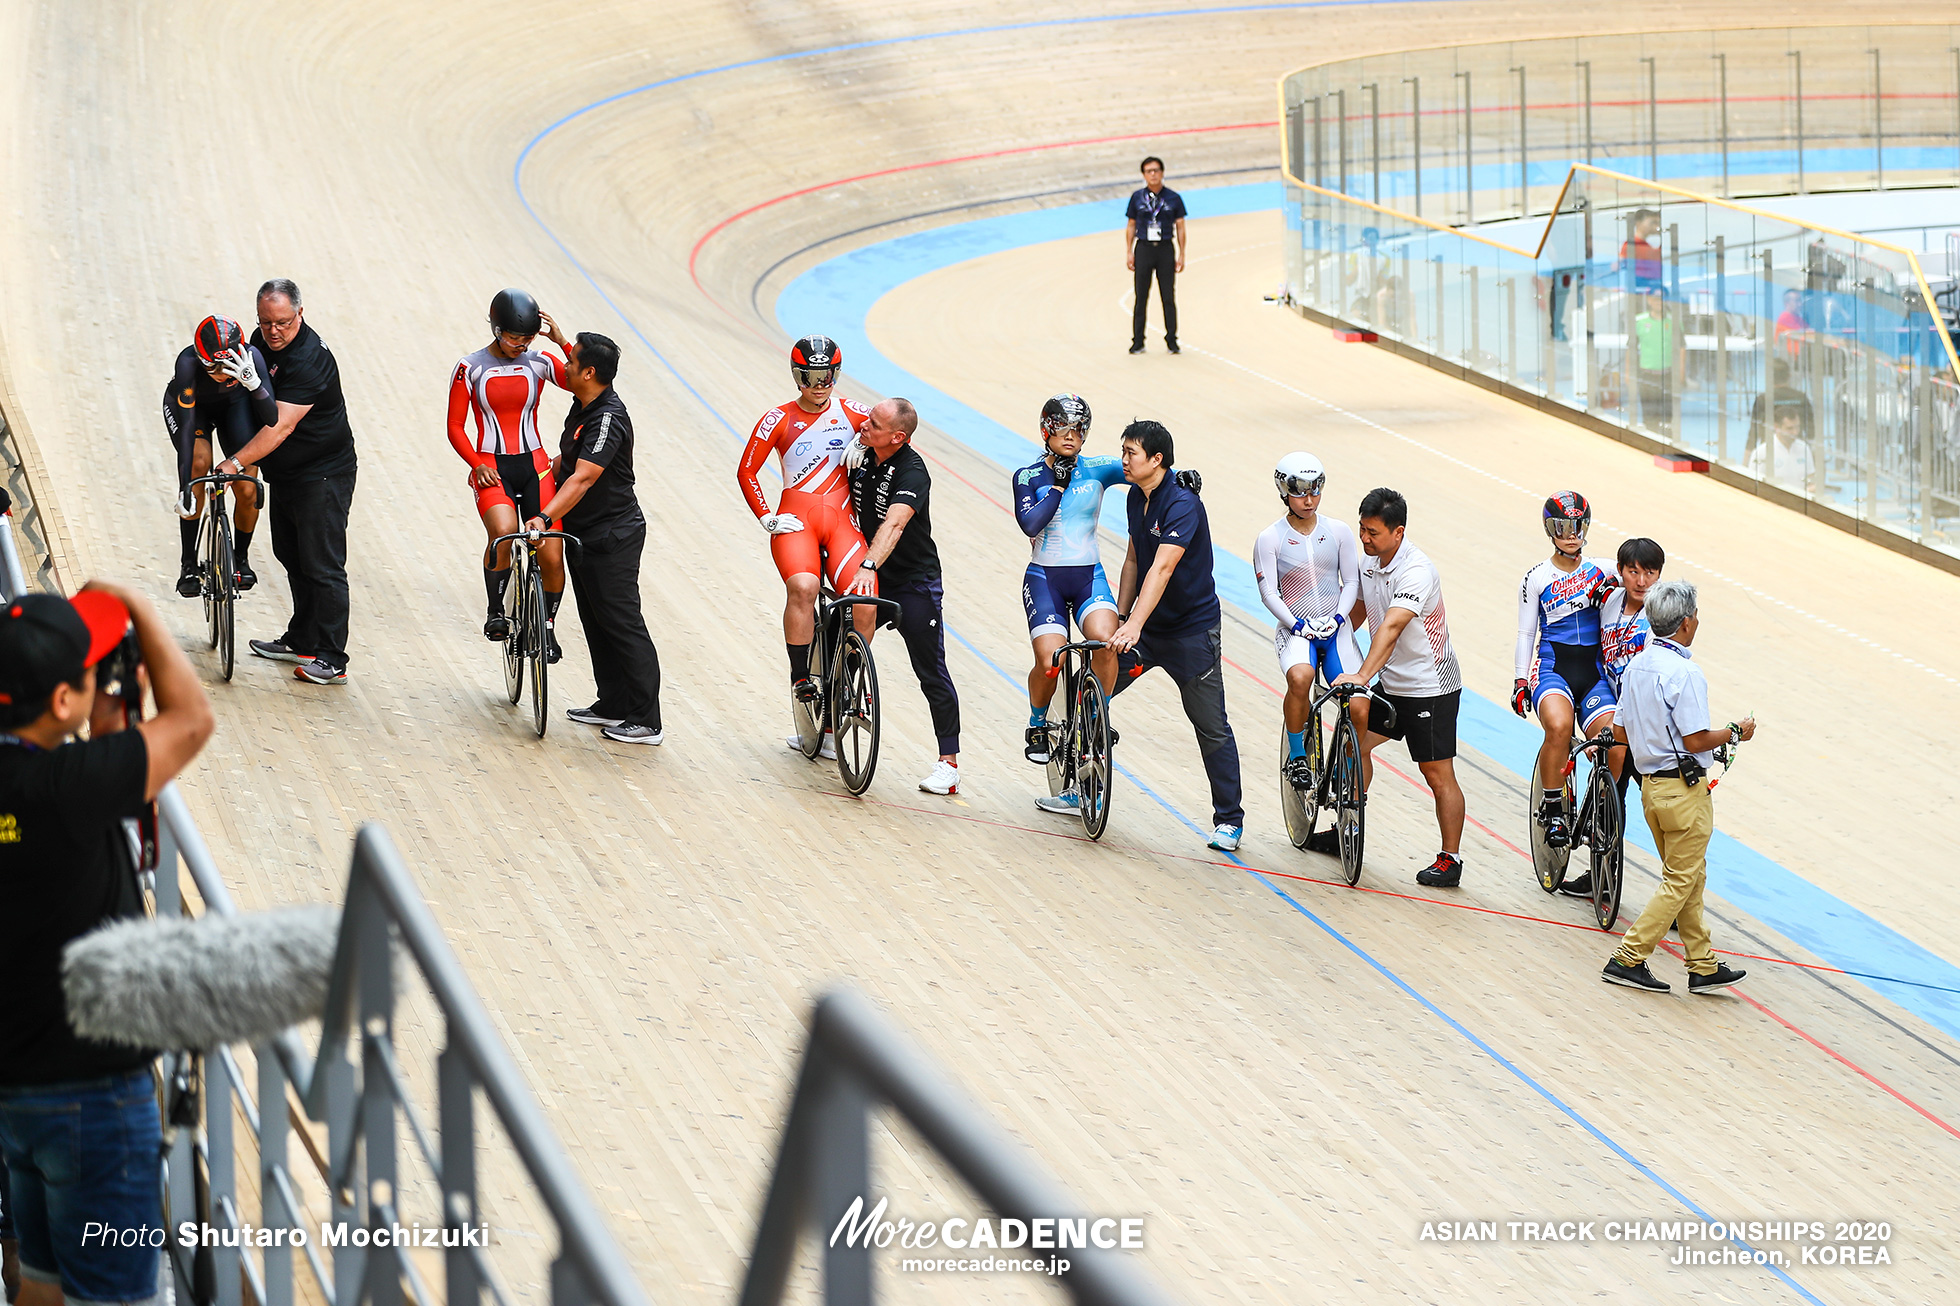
(237, 364)
(1324, 628)
(854, 455)
(782, 523)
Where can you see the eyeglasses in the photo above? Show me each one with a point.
(517, 340)
(279, 324)
(815, 378)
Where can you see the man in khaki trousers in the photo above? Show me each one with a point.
(1663, 721)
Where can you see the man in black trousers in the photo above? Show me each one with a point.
(308, 461)
(1156, 219)
(596, 501)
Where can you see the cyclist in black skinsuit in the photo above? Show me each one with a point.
(220, 384)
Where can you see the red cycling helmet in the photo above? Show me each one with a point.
(1566, 514)
(214, 338)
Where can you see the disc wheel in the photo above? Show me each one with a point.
(1350, 799)
(224, 611)
(1301, 807)
(1547, 863)
(514, 639)
(1607, 840)
(1094, 763)
(537, 648)
(855, 715)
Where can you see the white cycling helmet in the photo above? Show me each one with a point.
(1299, 473)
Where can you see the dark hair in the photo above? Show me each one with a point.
(1642, 214)
(1153, 439)
(15, 715)
(279, 286)
(1148, 161)
(904, 415)
(600, 354)
(1386, 506)
(1643, 553)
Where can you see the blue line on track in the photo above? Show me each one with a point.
(1391, 976)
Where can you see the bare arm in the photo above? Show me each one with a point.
(1126, 588)
(881, 546)
(1130, 243)
(184, 720)
(1180, 244)
(1380, 648)
(271, 437)
(1130, 631)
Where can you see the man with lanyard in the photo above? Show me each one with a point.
(812, 531)
(891, 491)
(596, 500)
(309, 462)
(1309, 574)
(502, 384)
(1155, 216)
(1168, 606)
(1058, 505)
(1664, 722)
(217, 391)
(1409, 647)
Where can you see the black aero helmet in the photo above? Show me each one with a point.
(1566, 514)
(815, 361)
(215, 337)
(1064, 413)
(514, 312)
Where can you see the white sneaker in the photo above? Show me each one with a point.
(1225, 838)
(1065, 803)
(945, 779)
(828, 750)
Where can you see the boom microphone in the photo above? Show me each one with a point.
(200, 983)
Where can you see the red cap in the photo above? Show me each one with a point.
(107, 621)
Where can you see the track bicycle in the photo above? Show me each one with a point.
(1599, 826)
(217, 577)
(846, 705)
(1081, 746)
(524, 605)
(1332, 782)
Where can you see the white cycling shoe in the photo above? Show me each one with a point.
(945, 779)
(828, 751)
(1065, 803)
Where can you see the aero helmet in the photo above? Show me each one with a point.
(214, 338)
(1299, 473)
(815, 361)
(1566, 514)
(514, 312)
(1065, 413)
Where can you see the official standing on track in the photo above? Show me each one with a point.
(595, 497)
(891, 492)
(1663, 720)
(1168, 604)
(1153, 243)
(308, 463)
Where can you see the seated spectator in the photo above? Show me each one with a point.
(1785, 459)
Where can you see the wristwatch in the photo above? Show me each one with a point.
(869, 563)
(1735, 734)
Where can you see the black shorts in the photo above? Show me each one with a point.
(1428, 725)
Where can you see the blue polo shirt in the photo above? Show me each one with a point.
(1164, 208)
(1175, 516)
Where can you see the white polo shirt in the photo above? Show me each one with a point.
(1663, 700)
(1423, 664)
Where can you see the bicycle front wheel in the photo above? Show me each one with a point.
(1547, 863)
(855, 715)
(1095, 764)
(1607, 841)
(1350, 797)
(538, 647)
(514, 637)
(224, 628)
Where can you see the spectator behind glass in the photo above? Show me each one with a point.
(1782, 396)
(1791, 323)
(1640, 250)
(78, 1119)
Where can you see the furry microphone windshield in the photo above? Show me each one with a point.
(200, 983)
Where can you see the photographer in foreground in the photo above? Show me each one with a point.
(78, 1119)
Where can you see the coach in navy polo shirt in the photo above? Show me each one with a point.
(1169, 608)
(1153, 242)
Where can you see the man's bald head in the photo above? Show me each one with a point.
(896, 414)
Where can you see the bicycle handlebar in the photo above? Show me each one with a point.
(1604, 739)
(535, 538)
(1079, 646)
(1347, 692)
(224, 478)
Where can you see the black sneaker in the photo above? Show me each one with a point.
(1136, 349)
(1634, 977)
(244, 577)
(1171, 345)
(496, 627)
(551, 650)
(1325, 841)
(585, 716)
(1038, 746)
(1553, 819)
(1579, 888)
(1723, 977)
(189, 583)
(1299, 772)
(277, 651)
(1446, 872)
(317, 672)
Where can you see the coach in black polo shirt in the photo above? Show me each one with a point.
(1156, 220)
(597, 502)
(308, 462)
(891, 491)
(1169, 607)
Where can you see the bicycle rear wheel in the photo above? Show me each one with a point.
(1061, 772)
(856, 714)
(810, 717)
(514, 640)
(538, 646)
(1301, 807)
(1548, 863)
(1350, 798)
(1095, 765)
(1606, 838)
(224, 605)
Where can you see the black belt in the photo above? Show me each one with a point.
(1672, 773)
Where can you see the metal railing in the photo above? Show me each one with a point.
(23, 513)
(364, 1107)
(857, 1059)
(13, 581)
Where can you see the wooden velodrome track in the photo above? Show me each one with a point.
(1285, 1088)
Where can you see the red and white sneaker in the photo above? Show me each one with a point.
(945, 779)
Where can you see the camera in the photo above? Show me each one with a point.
(116, 674)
